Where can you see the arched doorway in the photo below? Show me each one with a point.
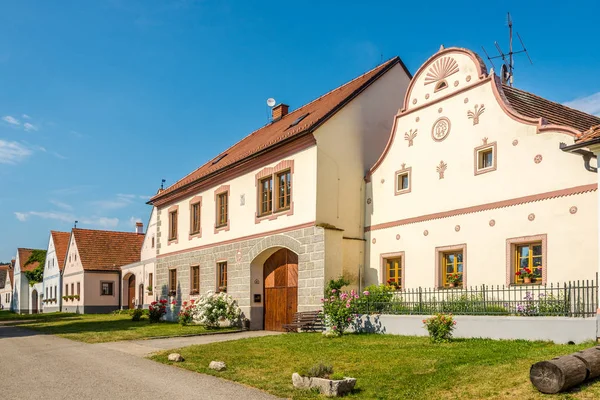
(281, 289)
(131, 292)
(34, 302)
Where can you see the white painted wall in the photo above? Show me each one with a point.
(52, 279)
(20, 301)
(242, 217)
(72, 274)
(6, 290)
(572, 238)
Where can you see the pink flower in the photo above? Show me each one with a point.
(454, 322)
(322, 300)
(349, 319)
(334, 327)
(333, 290)
(347, 305)
(366, 293)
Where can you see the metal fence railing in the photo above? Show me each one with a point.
(569, 299)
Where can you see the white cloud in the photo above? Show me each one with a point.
(62, 205)
(11, 120)
(589, 104)
(58, 155)
(25, 116)
(21, 216)
(98, 222)
(12, 152)
(29, 127)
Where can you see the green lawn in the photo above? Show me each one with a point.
(99, 328)
(386, 366)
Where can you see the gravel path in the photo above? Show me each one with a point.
(42, 366)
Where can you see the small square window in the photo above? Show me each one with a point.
(485, 158)
(403, 181)
(107, 288)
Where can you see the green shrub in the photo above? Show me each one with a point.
(377, 300)
(318, 371)
(136, 314)
(335, 284)
(440, 327)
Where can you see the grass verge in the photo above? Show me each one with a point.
(386, 366)
(100, 328)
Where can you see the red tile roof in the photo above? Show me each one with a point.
(24, 255)
(534, 106)
(61, 244)
(269, 136)
(107, 250)
(592, 134)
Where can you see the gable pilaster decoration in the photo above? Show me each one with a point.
(440, 129)
(410, 136)
(439, 71)
(441, 168)
(474, 115)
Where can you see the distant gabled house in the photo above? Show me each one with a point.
(272, 218)
(55, 261)
(25, 300)
(91, 276)
(137, 287)
(6, 278)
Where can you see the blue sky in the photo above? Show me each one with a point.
(99, 100)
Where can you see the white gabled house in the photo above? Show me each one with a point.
(6, 278)
(55, 260)
(25, 299)
(272, 218)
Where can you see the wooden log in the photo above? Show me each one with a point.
(558, 374)
(591, 359)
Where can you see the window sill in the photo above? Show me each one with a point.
(282, 209)
(194, 293)
(526, 284)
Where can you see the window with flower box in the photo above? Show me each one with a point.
(526, 260)
(393, 272)
(451, 266)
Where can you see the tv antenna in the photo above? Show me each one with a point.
(75, 224)
(508, 62)
(270, 104)
(162, 184)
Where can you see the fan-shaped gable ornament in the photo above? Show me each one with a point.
(441, 69)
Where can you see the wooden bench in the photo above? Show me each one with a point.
(307, 321)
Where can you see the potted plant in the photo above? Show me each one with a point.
(393, 284)
(526, 274)
(223, 289)
(65, 298)
(149, 289)
(454, 280)
(76, 297)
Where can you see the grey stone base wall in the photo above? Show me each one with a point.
(89, 309)
(308, 243)
(51, 309)
(555, 329)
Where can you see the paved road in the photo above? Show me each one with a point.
(143, 348)
(33, 365)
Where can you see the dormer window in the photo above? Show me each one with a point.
(441, 85)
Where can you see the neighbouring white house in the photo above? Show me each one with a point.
(477, 183)
(6, 278)
(272, 218)
(91, 276)
(24, 298)
(55, 260)
(138, 283)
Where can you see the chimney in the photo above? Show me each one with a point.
(139, 228)
(279, 111)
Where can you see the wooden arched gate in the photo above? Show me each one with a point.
(281, 289)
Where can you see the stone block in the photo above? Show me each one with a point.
(217, 365)
(175, 357)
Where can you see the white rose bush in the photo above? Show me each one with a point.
(210, 309)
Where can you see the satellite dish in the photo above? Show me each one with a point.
(270, 102)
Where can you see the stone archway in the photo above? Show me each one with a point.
(257, 257)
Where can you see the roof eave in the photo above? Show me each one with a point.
(581, 145)
(309, 130)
